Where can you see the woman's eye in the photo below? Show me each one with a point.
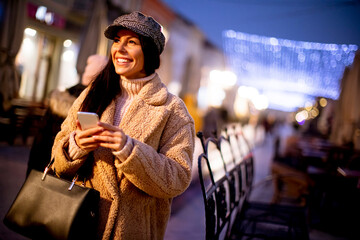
(116, 40)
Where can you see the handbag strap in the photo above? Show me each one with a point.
(47, 168)
(84, 171)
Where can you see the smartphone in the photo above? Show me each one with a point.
(87, 119)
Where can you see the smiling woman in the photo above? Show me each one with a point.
(141, 150)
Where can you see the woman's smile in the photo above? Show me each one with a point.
(123, 60)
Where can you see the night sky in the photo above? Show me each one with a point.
(324, 21)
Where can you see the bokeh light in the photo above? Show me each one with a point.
(293, 69)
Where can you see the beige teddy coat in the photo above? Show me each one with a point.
(136, 193)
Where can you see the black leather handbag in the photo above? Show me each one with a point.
(48, 207)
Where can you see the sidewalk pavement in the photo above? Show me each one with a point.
(13, 165)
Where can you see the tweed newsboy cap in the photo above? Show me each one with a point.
(140, 24)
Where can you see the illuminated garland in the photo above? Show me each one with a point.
(297, 68)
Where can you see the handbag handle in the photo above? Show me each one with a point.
(47, 170)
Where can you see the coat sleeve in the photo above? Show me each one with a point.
(63, 164)
(166, 172)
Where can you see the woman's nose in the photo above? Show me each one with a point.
(121, 47)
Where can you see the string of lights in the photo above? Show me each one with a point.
(288, 72)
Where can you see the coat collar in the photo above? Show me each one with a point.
(154, 92)
(144, 114)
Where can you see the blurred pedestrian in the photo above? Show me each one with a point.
(59, 105)
(141, 150)
(214, 121)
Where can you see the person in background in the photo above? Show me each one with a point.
(59, 105)
(214, 121)
(140, 153)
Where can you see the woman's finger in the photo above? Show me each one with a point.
(90, 132)
(115, 141)
(78, 125)
(109, 136)
(113, 146)
(108, 127)
(88, 143)
(84, 138)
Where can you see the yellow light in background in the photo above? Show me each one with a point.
(68, 55)
(248, 92)
(27, 42)
(242, 91)
(215, 96)
(28, 46)
(215, 77)
(260, 102)
(314, 112)
(30, 32)
(67, 43)
(174, 88)
(222, 79)
(210, 97)
(229, 79)
(49, 18)
(323, 102)
(241, 106)
(301, 116)
(308, 106)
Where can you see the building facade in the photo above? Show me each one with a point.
(60, 35)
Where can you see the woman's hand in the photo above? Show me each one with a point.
(111, 137)
(84, 139)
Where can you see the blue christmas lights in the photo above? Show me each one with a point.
(297, 68)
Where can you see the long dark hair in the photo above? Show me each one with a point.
(151, 55)
(106, 86)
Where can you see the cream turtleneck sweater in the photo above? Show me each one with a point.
(129, 89)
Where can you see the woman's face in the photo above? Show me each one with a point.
(127, 55)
